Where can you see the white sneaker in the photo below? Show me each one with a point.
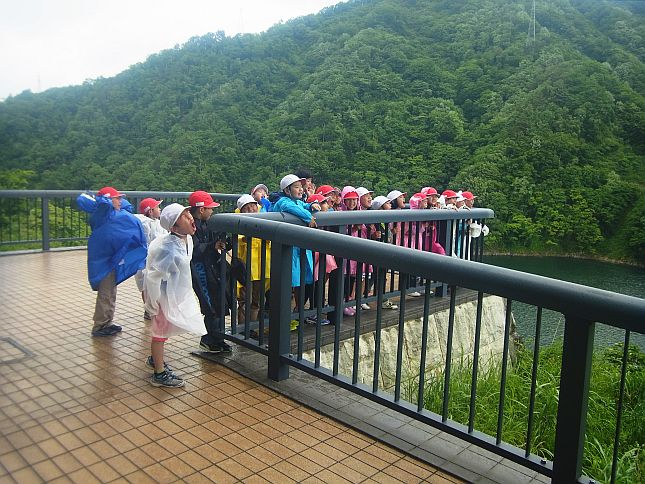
(365, 306)
(388, 305)
(415, 294)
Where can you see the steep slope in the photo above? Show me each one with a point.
(384, 93)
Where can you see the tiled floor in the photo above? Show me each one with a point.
(80, 409)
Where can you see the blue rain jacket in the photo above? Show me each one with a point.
(117, 242)
(302, 211)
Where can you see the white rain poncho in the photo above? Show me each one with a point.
(152, 229)
(168, 287)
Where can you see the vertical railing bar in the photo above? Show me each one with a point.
(52, 229)
(388, 231)
(320, 290)
(221, 326)
(451, 326)
(58, 228)
(263, 275)
(301, 300)
(467, 240)
(424, 348)
(11, 226)
(458, 238)
(233, 287)
(45, 223)
(473, 382)
(340, 299)
(619, 410)
(403, 282)
(24, 203)
(249, 287)
(502, 390)
(481, 244)
(534, 369)
(380, 275)
(357, 320)
(464, 239)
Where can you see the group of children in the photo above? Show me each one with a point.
(175, 255)
(299, 196)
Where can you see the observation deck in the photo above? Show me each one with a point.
(79, 409)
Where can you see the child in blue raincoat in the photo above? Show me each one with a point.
(290, 201)
(116, 250)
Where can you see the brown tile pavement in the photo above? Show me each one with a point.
(80, 409)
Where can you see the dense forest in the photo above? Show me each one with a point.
(544, 120)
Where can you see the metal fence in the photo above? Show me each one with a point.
(45, 219)
(396, 270)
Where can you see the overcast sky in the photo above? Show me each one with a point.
(54, 43)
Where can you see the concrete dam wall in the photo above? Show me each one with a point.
(463, 343)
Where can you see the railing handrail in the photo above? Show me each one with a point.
(375, 216)
(590, 303)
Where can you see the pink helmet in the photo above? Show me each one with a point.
(348, 192)
(416, 199)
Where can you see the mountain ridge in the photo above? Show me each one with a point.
(382, 93)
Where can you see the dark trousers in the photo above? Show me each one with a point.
(214, 328)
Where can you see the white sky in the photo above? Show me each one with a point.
(54, 43)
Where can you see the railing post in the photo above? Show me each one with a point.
(280, 312)
(571, 422)
(442, 289)
(44, 207)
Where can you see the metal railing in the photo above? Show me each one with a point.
(581, 307)
(44, 219)
(398, 265)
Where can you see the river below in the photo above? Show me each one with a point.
(611, 277)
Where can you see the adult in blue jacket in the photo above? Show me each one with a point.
(289, 200)
(116, 250)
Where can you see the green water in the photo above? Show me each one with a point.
(611, 277)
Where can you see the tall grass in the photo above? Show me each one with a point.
(601, 416)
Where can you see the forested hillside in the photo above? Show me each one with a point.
(548, 130)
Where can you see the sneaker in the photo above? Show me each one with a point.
(314, 321)
(215, 347)
(365, 306)
(166, 379)
(388, 305)
(146, 316)
(109, 330)
(348, 311)
(225, 347)
(415, 294)
(151, 364)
